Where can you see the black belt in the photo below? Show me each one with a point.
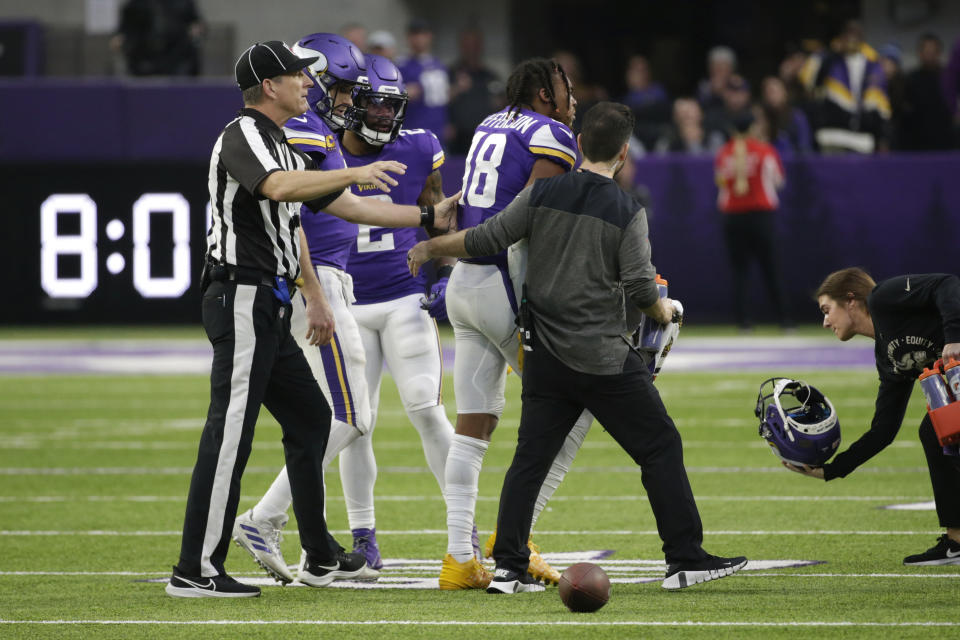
(245, 275)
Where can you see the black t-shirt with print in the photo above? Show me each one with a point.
(913, 317)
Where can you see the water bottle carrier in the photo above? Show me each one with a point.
(946, 419)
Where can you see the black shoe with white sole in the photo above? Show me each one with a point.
(344, 566)
(222, 586)
(945, 552)
(507, 581)
(686, 574)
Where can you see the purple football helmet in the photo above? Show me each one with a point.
(381, 102)
(339, 62)
(797, 421)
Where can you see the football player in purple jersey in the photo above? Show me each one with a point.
(527, 140)
(339, 364)
(394, 326)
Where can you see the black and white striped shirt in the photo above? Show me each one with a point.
(250, 230)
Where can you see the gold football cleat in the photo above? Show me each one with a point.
(538, 567)
(463, 575)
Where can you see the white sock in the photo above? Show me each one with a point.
(462, 475)
(358, 474)
(276, 500)
(561, 464)
(436, 433)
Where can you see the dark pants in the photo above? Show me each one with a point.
(255, 361)
(628, 406)
(750, 237)
(944, 476)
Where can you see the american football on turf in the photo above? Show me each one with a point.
(584, 587)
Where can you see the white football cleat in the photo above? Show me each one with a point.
(261, 539)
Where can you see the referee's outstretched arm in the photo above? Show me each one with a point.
(304, 186)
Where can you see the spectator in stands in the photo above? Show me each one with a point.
(853, 110)
(721, 64)
(160, 37)
(748, 174)
(686, 134)
(927, 122)
(786, 127)
(475, 90)
(951, 90)
(647, 99)
(789, 73)
(735, 105)
(891, 58)
(355, 33)
(585, 92)
(383, 44)
(428, 84)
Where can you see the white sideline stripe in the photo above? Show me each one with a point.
(497, 623)
(633, 498)
(151, 471)
(438, 532)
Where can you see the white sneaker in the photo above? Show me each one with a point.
(261, 539)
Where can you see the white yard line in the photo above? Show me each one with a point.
(494, 623)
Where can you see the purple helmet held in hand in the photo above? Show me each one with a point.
(797, 421)
(339, 62)
(382, 102)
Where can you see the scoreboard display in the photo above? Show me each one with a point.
(110, 244)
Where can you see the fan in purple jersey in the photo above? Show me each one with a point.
(428, 81)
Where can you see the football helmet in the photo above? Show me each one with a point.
(339, 61)
(381, 102)
(797, 421)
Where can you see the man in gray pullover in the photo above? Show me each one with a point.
(589, 261)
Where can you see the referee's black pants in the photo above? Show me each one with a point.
(944, 476)
(628, 406)
(255, 361)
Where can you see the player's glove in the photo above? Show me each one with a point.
(436, 303)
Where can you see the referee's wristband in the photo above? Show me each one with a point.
(444, 271)
(426, 215)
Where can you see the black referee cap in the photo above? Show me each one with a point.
(267, 60)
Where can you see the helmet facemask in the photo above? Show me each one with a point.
(797, 421)
(380, 114)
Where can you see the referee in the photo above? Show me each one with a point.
(588, 250)
(255, 253)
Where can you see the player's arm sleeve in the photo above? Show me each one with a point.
(636, 271)
(556, 143)
(436, 153)
(892, 399)
(502, 230)
(246, 157)
(925, 291)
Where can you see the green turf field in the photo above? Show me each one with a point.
(94, 473)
